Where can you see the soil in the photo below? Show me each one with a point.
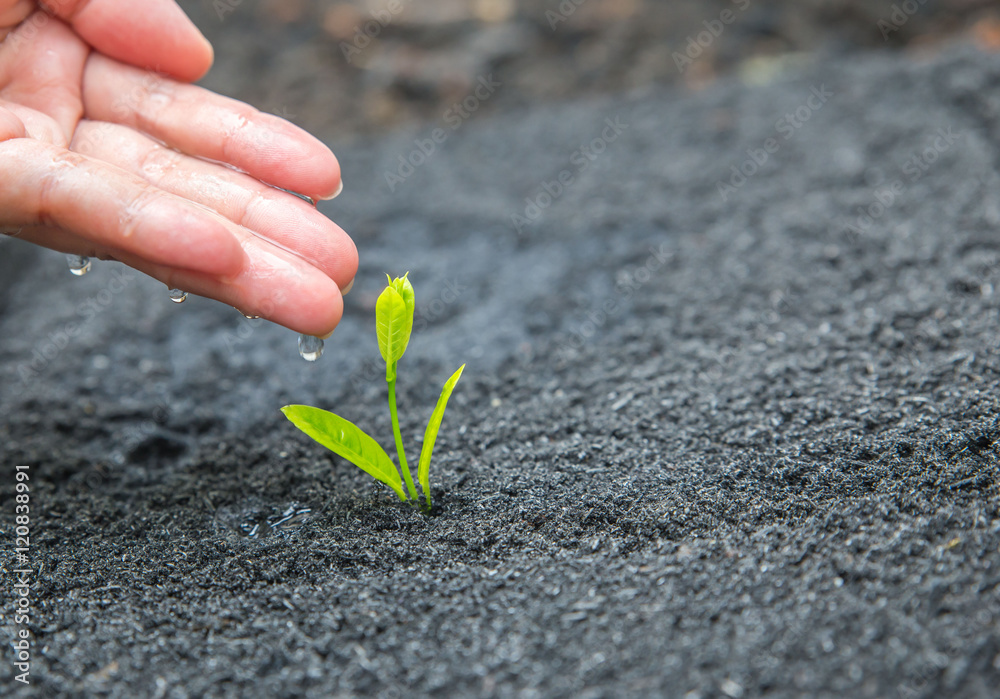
(720, 434)
(350, 67)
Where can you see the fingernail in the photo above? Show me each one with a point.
(336, 194)
(325, 337)
(347, 289)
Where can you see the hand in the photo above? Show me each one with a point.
(103, 159)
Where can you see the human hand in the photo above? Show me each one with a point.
(103, 159)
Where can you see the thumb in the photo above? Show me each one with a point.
(18, 121)
(153, 35)
(12, 13)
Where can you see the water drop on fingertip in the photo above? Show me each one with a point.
(245, 315)
(78, 264)
(178, 296)
(311, 348)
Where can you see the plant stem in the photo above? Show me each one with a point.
(399, 441)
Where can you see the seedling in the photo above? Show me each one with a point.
(393, 323)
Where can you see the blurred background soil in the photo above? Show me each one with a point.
(378, 64)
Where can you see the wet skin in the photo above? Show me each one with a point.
(101, 157)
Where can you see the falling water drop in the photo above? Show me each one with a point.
(78, 264)
(311, 348)
(178, 296)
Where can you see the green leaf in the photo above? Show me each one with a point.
(405, 289)
(430, 436)
(346, 439)
(394, 322)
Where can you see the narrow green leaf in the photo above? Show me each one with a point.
(346, 439)
(430, 436)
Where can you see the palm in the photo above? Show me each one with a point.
(44, 75)
(94, 178)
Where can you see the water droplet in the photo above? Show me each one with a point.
(256, 525)
(245, 315)
(311, 348)
(178, 296)
(293, 516)
(78, 264)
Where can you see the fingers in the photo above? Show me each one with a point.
(276, 216)
(33, 124)
(43, 68)
(272, 284)
(155, 34)
(205, 125)
(12, 13)
(11, 126)
(112, 210)
(78, 205)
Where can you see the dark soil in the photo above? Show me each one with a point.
(705, 446)
(344, 67)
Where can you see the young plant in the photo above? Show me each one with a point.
(393, 324)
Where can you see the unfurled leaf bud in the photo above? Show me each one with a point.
(394, 322)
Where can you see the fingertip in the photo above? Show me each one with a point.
(350, 265)
(319, 312)
(291, 294)
(329, 182)
(340, 260)
(304, 164)
(298, 160)
(202, 58)
(337, 193)
(190, 63)
(160, 36)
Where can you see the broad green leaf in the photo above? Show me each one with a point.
(430, 436)
(346, 439)
(394, 322)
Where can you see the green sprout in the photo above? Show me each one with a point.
(393, 323)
